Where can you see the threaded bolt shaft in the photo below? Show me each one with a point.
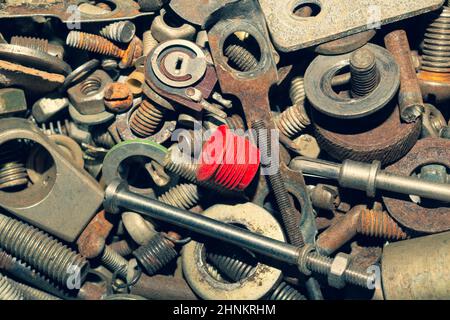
(242, 58)
(293, 120)
(184, 169)
(121, 31)
(8, 291)
(93, 43)
(31, 293)
(379, 224)
(288, 212)
(40, 250)
(364, 73)
(115, 262)
(146, 119)
(156, 254)
(322, 265)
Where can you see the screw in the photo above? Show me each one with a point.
(146, 119)
(240, 57)
(31, 293)
(101, 45)
(40, 250)
(115, 262)
(364, 75)
(121, 31)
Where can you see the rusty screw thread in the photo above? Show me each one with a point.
(40, 250)
(237, 269)
(288, 212)
(8, 291)
(379, 224)
(436, 52)
(410, 95)
(156, 254)
(183, 196)
(146, 119)
(241, 57)
(93, 43)
(364, 73)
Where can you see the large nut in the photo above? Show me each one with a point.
(87, 96)
(336, 278)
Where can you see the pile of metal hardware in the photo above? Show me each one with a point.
(232, 149)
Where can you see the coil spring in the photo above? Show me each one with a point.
(240, 57)
(56, 127)
(436, 50)
(146, 119)
(183, 196)
(13, 173)
(156, 254)
(30, 42)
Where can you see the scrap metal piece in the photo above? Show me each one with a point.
(63, 200)
(71, 11)
(12, 102)
(336, 19)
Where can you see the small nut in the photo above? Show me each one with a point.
(336, 278)
(118, 97)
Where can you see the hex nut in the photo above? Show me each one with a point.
(87, 96)
(336, 278)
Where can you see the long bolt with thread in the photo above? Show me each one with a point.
(40, 251)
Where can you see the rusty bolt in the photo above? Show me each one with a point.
(118, 97)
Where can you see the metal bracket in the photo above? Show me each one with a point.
(63, 200)
(336, 19)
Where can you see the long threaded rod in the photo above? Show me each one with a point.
(288, 213)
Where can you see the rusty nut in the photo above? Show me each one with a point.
(336, 277)
(87, 96)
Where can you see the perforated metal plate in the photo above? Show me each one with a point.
(336, 19)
